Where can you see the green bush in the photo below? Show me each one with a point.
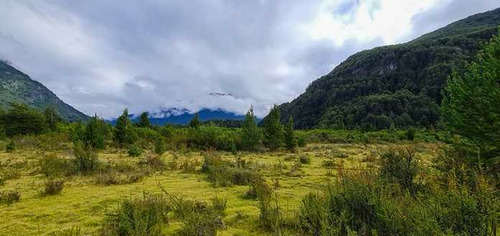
(224, 173)
(142, 216)
(199, 218)
(11, 146)
(9, 197)
(400, 166)
(305, 159)
(53, 166)
(86, 160)
(410, 133)
(134, 150)
(159, 147)
(53, 187)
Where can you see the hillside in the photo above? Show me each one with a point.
(16, 86)
(396, 85)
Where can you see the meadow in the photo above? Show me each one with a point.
(87, 199)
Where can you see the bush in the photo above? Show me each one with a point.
(401, 167)
(328, 163)
(11, 146)
(305, 159)
(224, 173)
(156, 162)
(53, 166)
(142, 216)
(9, 197)
(159, 147)
(199, 218)
(53, 187)
(134, 150)
(86, 159)
(360, 204)
(410, 133)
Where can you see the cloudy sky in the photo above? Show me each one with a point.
(103, 55)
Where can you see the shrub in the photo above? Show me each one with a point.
(305, 159)
(328, 163)
(199, 218)
(86, 159)
(142, 216)
(361, 204)
(53, 187)
(159, 147)
(156, 162)
(11, 146)
(9, 197)
(53, 166)
(223, 173)
(301, 141)
(401, 167)
(2, 181)
(134, 150)
(410, 133)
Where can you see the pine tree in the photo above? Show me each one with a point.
(21, 119)
(122, 129)
(95, 133)
(471, 103)
(195, 121)
(290, 140)
(51, 117)
(250, 133)
(273, 130)
(144, 121)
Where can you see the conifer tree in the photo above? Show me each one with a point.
(144, 121)
(290, 140)
(273, 130)
(195, 121)
(51, 117)
(122, 129)
(95, 133)
(250, 133)
(471, 103)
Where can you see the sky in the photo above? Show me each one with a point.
(102, 56)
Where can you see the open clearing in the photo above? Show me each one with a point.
(84, 204)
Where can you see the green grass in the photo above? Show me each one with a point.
(83, 204)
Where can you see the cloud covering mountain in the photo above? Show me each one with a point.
(102, 56)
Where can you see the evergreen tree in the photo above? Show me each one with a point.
(290, 141)
(95, 133)
(273, 130)
(144, 121)
(250, 133)
(20, 120)
(51, 117)
(471, 104)
(195, 121)
(123, 129)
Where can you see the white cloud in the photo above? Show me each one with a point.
(366, 20)
(102, 56)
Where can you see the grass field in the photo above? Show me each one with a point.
(83, 204)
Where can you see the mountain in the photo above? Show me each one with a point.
(396, 85)
(16, 86)
(182, 116)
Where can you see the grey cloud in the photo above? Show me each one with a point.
(102, 56)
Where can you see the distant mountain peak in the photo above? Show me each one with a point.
(182, 116)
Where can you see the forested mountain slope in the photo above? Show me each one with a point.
(16, 86)
(399, 84)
